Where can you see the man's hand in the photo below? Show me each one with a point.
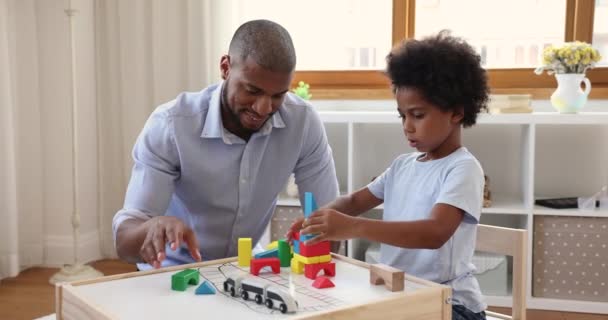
(161, 230)
(327, 224)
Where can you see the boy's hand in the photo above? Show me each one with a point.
(328, 224)
(165, 229)
(295, 227)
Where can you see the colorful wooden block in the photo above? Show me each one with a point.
(296, 246)
(311, 270)
(310, 205)
(297, 267)
(392, 278)
(205, 288)
(244, 251)
(181, 280)
(322, 283)
(325, 258)
(258, 264)
(272, 245)
(306, 260)
(284, 253)
(272, 253)
(320, 249)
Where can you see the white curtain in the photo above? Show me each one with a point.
(131, 55)
(148, 52)
(21, 150)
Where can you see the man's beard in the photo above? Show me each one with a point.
(235, 115)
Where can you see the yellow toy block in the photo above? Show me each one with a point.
(272, 245)
(297, 267)
(244, 252)
(306, 260)
(325, 258)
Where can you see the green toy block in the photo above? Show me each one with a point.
(181, 280)
(284, 253)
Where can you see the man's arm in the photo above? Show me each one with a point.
(315, 171)
(140, 230)
(129, 237)
(145, 239)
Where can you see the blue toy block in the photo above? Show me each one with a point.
(272, 253)
(205, 288)
(310, 206)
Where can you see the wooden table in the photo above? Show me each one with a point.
(148, 295)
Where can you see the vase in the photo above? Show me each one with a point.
(569, 97)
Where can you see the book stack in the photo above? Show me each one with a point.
(512, 103)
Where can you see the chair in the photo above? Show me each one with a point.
(510, 242)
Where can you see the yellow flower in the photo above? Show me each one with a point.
(570, 57)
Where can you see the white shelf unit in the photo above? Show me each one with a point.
(524, 155)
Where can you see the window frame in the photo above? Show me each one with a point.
(349, 84)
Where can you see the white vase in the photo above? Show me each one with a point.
(292, 189)
(568, 97)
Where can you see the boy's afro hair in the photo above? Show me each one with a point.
(445, 70)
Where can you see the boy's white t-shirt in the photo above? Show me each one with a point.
(410, 188)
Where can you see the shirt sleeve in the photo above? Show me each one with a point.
(155, 169)
(315, 170)
(463, 189)
(376, 187)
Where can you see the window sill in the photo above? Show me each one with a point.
(597, 92)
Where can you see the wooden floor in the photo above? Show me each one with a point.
(30, 295)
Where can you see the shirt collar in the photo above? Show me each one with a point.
(214, 128)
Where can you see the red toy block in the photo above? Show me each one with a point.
(322, 283)
(257, 264)
(311, 270)
(320, 249)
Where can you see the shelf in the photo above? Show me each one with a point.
(499, 301)
(288, 202)
(524, 155)
(504, 204)
(568, 305)
(347, 116)
(544, 211)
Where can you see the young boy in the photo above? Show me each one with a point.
(432, 198)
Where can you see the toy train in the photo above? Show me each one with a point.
(268, 294)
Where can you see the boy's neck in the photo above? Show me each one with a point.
(447, 147)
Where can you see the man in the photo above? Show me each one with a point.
(210, 165)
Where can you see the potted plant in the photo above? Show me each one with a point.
(569, 62)
(302, 90)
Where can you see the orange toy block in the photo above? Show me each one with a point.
(311, 270)
(258, 264)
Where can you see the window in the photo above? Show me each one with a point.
(330, 35)
(600, 30)
(342, 44)
(501, 31)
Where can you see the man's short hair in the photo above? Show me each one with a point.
(267, 42)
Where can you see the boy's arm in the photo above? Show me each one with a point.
(430, 233)
(356, 203)
(352, 205)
